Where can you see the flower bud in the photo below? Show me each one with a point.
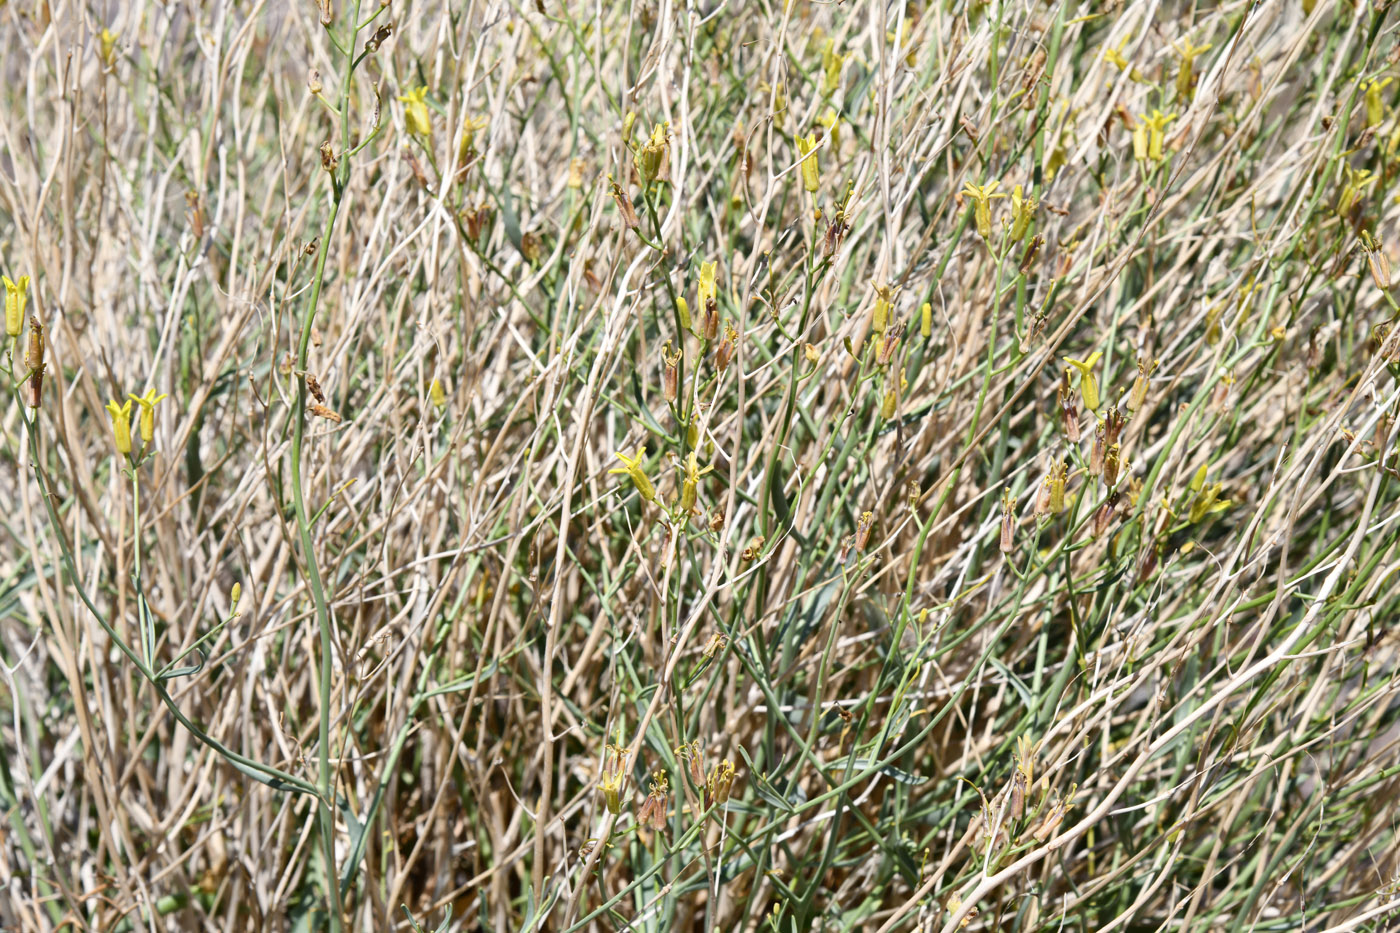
(926, 320)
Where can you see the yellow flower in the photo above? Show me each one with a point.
(831, 68)
(1185, 76)
(610, 781)
(807, 150)
(108, 40)
(437, 394)
(692, 480)
(1022, 213)
(121, 425)
(651, 158)
(16, 295)
(466, 146)
(982, 197)
(1088, 385)
(633, 468)
(148, 412)
(1156, 125)
(415, 112)
(707, 283)
(1375, 107)
(832, 121)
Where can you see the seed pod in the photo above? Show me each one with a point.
(724, 353)
(1112, 463)
(1008, 522)
(624, 205)
(889, 343)
(670, 380)
(1032, 250)
(709, 327)
(1069, 410)
(863, 527)
(1096, 452)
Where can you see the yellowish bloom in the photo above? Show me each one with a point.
(415, 112)
(121, 425)
(707, 283)
(1022, 213)
(807, 150)
(16, 296)
(831, 68)
(1156, 128)
(651, 158)
(148, 412)
(982, 197)
(832, 121)
(1088, 384)
(108, 41)
(466, 146)
(437, 394)
(633, 468)
(693, 472)
(1375, 107)
(610, 781)
(1185, 76)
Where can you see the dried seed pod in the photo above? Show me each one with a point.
(863, 527)
(314, 387)
(1007, 541)
(724, 353)
(670, 377)
(321, 411)
(624, 205)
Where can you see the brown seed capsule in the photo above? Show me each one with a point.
(326, 11)
(1069, 409)
(314, 387)
(321, 411)
(670, 380)
(1007, 540)
(724, 353)
(478, 221)
(1138, 395)
(1096, 451)
(375, 41)
(1112, 463)
(624, 205)
(328, 159)
(709, 327)
(889, 342)
(1032, 250)
(863, 527)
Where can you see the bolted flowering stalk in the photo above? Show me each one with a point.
(1007, 540)
(982, 197)
(121, 425)
(807, 153)
(16, 296)
(1088, 384)
(416, 118)
(613, 774)
(633, 468)
(148, 413)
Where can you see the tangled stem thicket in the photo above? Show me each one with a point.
(699, 466)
